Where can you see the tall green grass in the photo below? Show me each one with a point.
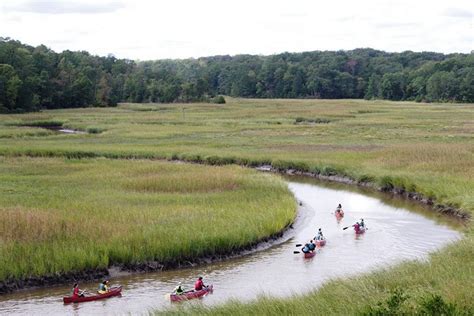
(427, 148)
(60, 215)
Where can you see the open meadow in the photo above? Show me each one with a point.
(424, 148)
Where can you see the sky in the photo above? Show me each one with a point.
(146, 30)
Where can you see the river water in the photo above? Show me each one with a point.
(397, 230)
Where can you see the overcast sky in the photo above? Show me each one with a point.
(139, 29)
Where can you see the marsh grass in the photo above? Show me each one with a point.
(60, 215)
(414, 144)
(38, 123)
(427, 148)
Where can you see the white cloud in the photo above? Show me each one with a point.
(144, 29)
(63, 7)
(458, 13)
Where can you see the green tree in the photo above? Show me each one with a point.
(104, 89)
(392, 86)
(373, 87)
(10, 85)
(442, 86)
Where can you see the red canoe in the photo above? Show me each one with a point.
(114, 291)
(191, 294)
(321, 243)
(360, 231)
(309, 254)
(339, 215)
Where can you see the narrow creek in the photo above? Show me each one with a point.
(398, 230)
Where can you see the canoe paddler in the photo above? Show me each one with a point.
(76, 292)
(362, 224)
(311, 246)
(339, 209)
(356, 227)
(199, 285)
(319, 236)
(103, 287)
(179, 289)
(306, 248)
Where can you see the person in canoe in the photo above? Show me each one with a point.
(308, 247)
(76, 292)
(103, 287)
(312, 246)
(362, 224)
(199, 284)
(319, 236)
(357, 227)
(339, 210)
(179, 289)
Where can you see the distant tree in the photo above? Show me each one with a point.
(416, 89)
(392, 86)
(466, 89)
(10, 85)
(104, 89)
(442, 86)
(37, 77)
(373, 88)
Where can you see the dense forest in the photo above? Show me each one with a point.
(33, 78)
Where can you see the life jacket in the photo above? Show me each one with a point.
(103, 288)
(311, 246)
(305, 249)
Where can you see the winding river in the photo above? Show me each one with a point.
(397, 230)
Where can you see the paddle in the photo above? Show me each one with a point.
(299, 245)
(296, 252)
(366, 228)
(85, 292)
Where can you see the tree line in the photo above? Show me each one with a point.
(33, 78)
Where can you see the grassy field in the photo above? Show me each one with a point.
(59, 215)
(424, 147)
(428, 148)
